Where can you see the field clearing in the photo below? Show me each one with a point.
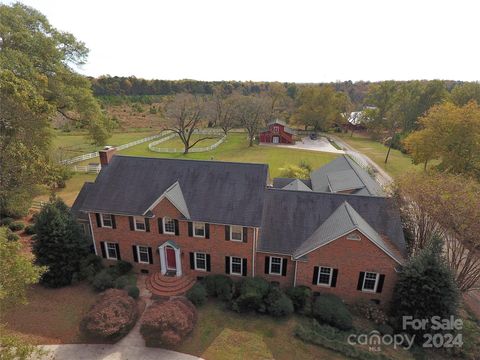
(176, 143)
(398, 163)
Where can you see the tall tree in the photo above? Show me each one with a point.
(251, 112)
(184, 115)
(37, 81)
(59, 244)
(464, 93)
(221, 109)
(451, 134)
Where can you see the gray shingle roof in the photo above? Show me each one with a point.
(280, 183)
(214, 191)
(342, 221)
(330, 176)
(291, 217)
(297, 185)
(78, 203)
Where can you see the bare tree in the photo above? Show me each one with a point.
(221, 110)
(250, 112)
(184, 115)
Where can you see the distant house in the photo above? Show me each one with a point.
(180, 220)
(277, 132)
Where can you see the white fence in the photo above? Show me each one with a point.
(92, 155)
(90, 168)
(152, 146)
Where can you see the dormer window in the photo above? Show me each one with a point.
(168, 226)
(353, 236)
(139, 223)
(106, 220)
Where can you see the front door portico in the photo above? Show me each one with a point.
(170, 258)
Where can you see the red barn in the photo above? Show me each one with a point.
(277, 133)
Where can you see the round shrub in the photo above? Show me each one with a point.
(11, 236)
(167, 323)
(6, 221)
(252, 293)
(123, 267)
(197, 294)
(278, 304)
(220, 286)
(331, 310)
(121, 282)
(16, 226)
(89, 267)
(30, 229)
(301, 297)
(370, 311)
(133, 291)
(111, 317)
(103, 280)
(385, 329)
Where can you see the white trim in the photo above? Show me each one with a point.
(356, 228)
(270, 265)
(169, 198)
(135, 223)
(107, 253)
(231, 266)
(376, 281)
(204, 229)
(138, 254)
(163, 258)
(163, 225)
(102, 223)
(295, 275)
(195, 261)
(241, 233)
(329, 279)
(93, 236)
(254, 247)
(353, 236)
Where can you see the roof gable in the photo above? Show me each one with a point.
(175, 196)
(344, 180)
(297, 185)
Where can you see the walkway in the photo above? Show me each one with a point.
(321, 144)
(131, 347)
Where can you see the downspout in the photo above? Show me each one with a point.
(295, 274)
(254, 247)
(93, 236)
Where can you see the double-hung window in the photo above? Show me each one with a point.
(143, 255)
(236, 233)
(106, 220)
(139, 224)
(168, 225)
(236, 266)
(324, 276)
(199, 229)
(111, 251)
(370, 282)
(200, 261)
(276, 265)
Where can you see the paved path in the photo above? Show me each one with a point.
(321, 144)
(131, 347)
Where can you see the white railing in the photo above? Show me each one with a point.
(90, 168)
(152, 146)
(92, 155)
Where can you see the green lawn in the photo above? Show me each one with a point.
(224, 334)
(398, 163)
(176, 143)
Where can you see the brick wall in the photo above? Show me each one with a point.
(284, 281)
(350, 257)
(216, 245)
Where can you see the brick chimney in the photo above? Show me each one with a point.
(106, 155)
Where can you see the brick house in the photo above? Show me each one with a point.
(277, 132)
(179, 220)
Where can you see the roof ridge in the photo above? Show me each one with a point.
(192, 160)
(355, 171)
(347, 205)
(330, 193)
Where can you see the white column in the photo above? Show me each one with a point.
(163, 266)
(178, 262)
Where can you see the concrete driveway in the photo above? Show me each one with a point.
(321, 144)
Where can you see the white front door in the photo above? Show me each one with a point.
(276, 139)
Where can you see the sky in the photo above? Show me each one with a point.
(262, 40)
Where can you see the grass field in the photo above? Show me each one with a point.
(398, 163)
(176, 143)
(51, 316)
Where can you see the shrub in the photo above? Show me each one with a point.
(6, 221)
(167, 323)
(11, 236)
(89, 267)
(111, 317)
(301, 297)
(121, 282)
(252, 293)
(331, 310)
(197, 294)
(278, 304)
(30, 229)
(16, 226)
(370, 311)
(123, 267)
(103, 280)
(133, 291)
(220, 286)
(385, 329)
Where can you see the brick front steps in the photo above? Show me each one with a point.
(167, 286)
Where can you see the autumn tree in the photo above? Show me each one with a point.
(462, 94)
(319, 107)
(452, 135)
(251, 112)
(446, 205)
(220, 110)
(184, 115)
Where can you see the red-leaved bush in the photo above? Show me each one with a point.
(111, 317)
(166, 323)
